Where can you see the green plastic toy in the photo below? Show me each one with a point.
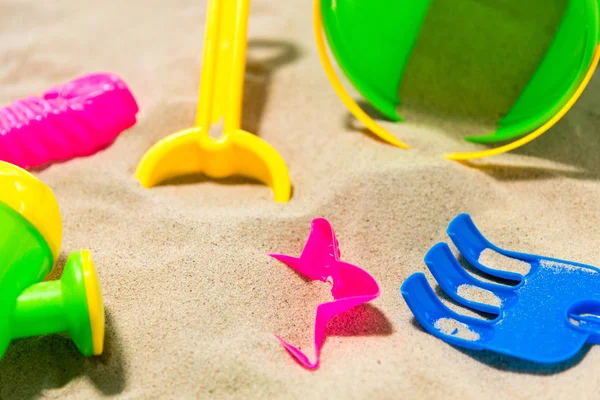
(30, 236)
(372, 41)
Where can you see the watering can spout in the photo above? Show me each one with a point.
(72, 304)
(30, 238)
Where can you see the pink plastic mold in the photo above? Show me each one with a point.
(71, 120)
(320, 260)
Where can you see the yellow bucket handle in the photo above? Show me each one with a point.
(222, 77)
(538, 132)
(335, 81)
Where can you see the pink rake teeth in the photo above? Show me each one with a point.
(320, 260)
(75, 119)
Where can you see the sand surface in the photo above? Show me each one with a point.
(192, 298)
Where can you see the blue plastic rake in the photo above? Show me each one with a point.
(547, 317)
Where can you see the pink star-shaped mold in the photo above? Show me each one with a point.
(320, 260)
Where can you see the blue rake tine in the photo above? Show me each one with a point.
(471, 243)
(451, 276)
(439, 320)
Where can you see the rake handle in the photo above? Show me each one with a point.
(224, 64)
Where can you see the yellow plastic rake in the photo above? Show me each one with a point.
(236, 152)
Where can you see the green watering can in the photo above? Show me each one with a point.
(372, 41)
(30, 237)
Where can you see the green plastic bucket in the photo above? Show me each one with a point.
(372, 42)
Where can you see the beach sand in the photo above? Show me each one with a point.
(193, 300)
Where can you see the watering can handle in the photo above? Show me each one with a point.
(224, 63)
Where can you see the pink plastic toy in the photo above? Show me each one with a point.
(320, 260)
(76, 119)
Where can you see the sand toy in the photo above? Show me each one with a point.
(546, 316)
(351, 285)
(372, 41)
(30, 239)
(235, 152)
(71, 120)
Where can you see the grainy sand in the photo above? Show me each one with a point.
(191, 295)
(562, 267)
(475, 293)
(457, 329)
(495, 260)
